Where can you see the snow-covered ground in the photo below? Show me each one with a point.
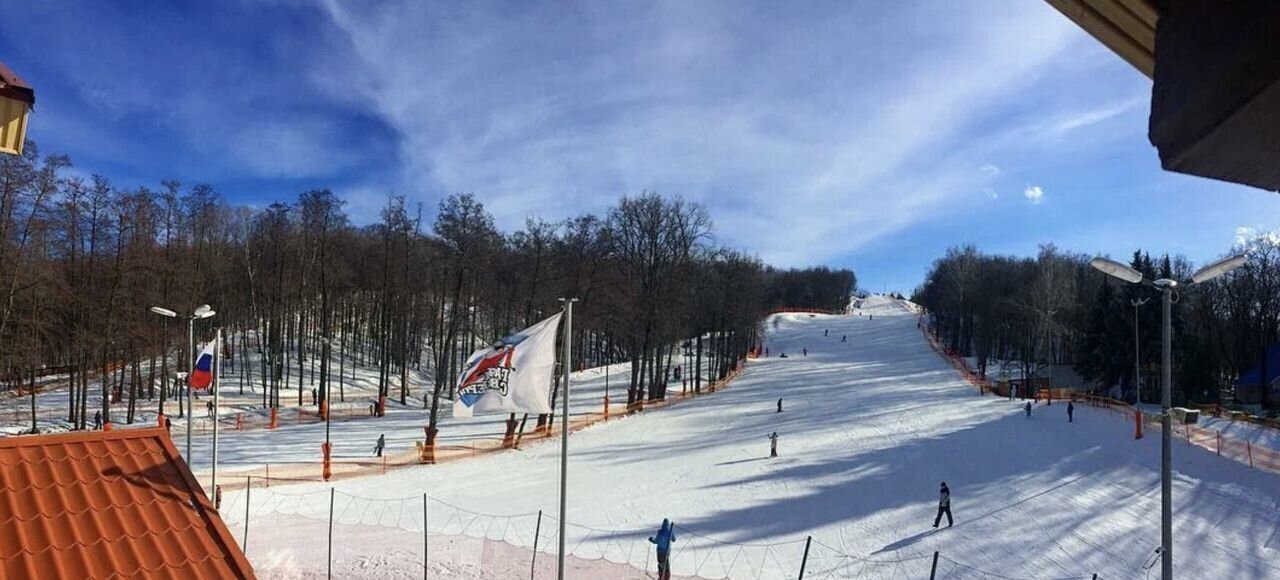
(870, 428)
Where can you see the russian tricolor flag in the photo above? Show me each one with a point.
(202, 374)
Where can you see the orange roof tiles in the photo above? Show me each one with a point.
(115, 504)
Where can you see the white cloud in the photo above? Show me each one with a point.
(989, 170)
(1079, 119)
(1033, 193)
(559, 112)
(1248, 234)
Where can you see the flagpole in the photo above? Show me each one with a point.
(567, 364)
(217, 382)
(191, 369)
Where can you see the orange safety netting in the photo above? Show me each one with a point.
(1241, 450)
(312, 471)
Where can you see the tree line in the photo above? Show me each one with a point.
(1053, 308)
(311, 294)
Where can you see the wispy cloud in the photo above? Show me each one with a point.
(555, 112)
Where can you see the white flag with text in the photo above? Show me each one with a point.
(512, 376)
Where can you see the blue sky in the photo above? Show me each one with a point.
(864, 133)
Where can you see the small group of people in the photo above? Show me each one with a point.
(667, 534)
(1071, 410)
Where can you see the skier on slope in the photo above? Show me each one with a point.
(805, 351)
(1071, 411)
(97, 420)
(944, 506)
(382, 443)
(825, 331)
(779, 404)
(844, 338)
(666, 535)
(773, 444)
(1028, 408)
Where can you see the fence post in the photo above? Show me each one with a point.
(425, 534)
(1249, 448)
(933, 572)
(330, 558)
(805, 561)
(536, 531)
(1219, 442)
(244, 541)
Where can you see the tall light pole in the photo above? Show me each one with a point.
(1137, 372)
(567, 365)
(203, 311)
(1166, 287)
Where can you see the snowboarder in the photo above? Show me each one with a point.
(666, 535)
(1028, 408)
(779, 405)
(1071, 411)
(825, 331)
(844, 338)
(805, 351)
(871, 317)
(97, 420)
(773, 444)
(382, 442)
(944, 506)
(783, 355)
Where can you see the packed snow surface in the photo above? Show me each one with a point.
(870, 427)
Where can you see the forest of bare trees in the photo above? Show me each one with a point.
(1055, 309)
(82, 260)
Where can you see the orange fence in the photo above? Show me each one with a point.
(792, 310)
(1241, 450)
(313, 471)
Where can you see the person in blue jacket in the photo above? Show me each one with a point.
(666, 535)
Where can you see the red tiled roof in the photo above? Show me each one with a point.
(115, 504)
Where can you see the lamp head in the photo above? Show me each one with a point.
(1116, 270)
(1218, 268)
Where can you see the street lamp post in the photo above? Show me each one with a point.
(1166, 287)
(203, 311)
(1137, 372)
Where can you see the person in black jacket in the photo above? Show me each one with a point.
(944, 506)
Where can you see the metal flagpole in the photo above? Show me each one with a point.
(191, 368)
(567, 364)
(217, 382)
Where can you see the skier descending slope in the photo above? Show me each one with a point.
(944, 505)
(666, 535)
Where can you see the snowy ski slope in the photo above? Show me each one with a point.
(870, 428)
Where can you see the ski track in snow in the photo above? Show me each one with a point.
(869, 429)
